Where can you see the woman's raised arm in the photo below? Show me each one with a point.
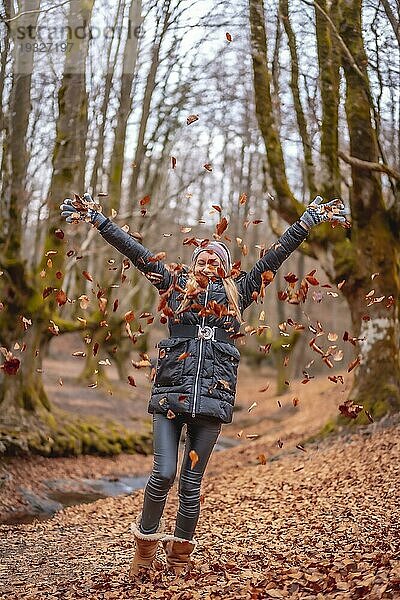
(154, 270)
(316, 213)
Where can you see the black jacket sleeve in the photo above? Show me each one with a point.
(156, 272)
(271, 261)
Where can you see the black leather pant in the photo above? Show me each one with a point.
(201, 435)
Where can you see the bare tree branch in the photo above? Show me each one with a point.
(29, 12)
(371, 166)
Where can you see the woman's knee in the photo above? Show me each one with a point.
(189, 486)
(163, 478)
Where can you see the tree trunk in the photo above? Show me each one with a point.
(328, 62)
(376, 247)
(147, 99)
(294, 86)
(125, 107)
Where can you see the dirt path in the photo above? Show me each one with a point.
(318, 524)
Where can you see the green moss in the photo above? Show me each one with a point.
(344, 258)
(63, 435)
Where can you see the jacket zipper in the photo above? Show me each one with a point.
(196, 381)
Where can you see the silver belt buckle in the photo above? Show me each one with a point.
(206, 332)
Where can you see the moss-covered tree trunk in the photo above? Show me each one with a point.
(376, 246)
(328, 63)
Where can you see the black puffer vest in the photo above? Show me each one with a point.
(196, 375)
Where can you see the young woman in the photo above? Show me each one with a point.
(195, 381)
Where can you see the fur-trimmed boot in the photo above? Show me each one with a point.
(178, 551)
(146, 547)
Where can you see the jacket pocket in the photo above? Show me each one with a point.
(170, 368)
(226, 363)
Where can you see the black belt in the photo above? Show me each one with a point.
(208, 333)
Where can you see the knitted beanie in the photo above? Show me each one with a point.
(220, 249)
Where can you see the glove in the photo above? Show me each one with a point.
(82, 209)
(317, 212)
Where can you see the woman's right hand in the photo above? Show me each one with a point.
(81, 209)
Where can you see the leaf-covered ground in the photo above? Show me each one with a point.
(324, 523)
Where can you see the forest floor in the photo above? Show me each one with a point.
(280, 517)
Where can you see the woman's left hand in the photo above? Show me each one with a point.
(317, 212)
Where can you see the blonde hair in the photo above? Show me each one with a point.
(232, 293)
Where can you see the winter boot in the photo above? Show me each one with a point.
(146, 547)
(178, 551)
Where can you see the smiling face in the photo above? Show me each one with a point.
(207, 263)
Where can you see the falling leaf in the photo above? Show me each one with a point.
(173, 162)
(170, 414)
(145, 200)
(129, 316)
(59, 234)
(252, 436)
(194, 458)
(47, 291)
(352, 365)
(295, 401)
(84, 301)
(252, 406)
(54, 329)
(208, 167)
(102, 304)
(87, 275)
(243, 198)
(191, 119)
(262, 459)
(105, 362)
(332, 337)
(350, 410)
(390, 302)
(228, 36)
(374, 275)
(60, 381)
(221, 226)
(291, 277)
(79, 353)
(224, 384)
(338, 355)
(115, 305)
(61, 297)
(279, 443)
(131, 380)
(311, 279)
(11, 365)
(183, 355)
